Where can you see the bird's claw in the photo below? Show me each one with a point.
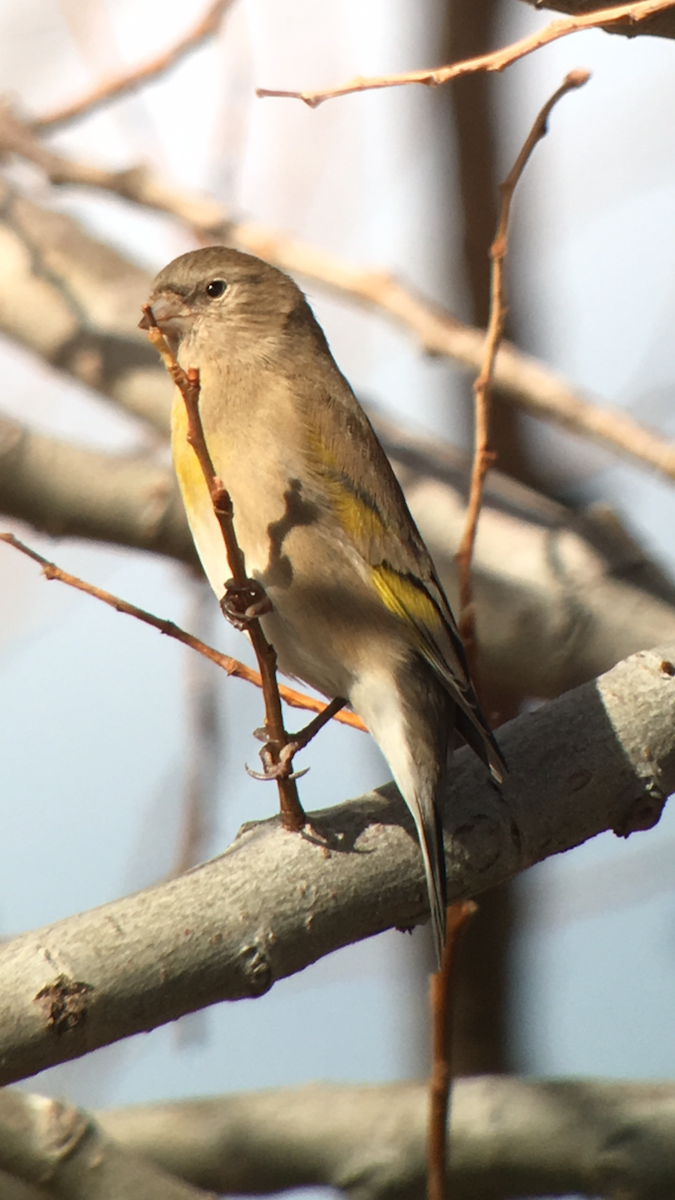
(277, 768)
(243, 603)
(276, 771)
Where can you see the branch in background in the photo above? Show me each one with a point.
(628, 15)
(510, 1137)
(106, 353)
(140, 185)
(601, 757)
(130, 81)
(109, 355)
(660, 25)
(67, 490)
(483, 456)
(50, 1143)
(575, 596)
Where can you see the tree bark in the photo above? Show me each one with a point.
(507, 1137)
(601, 757)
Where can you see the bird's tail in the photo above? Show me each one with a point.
(413, 726)
(429, 831)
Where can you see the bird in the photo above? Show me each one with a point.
(356, 608)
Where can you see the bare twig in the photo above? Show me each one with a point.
(497, 60)
(276, 767)
(231, 666)
(442, 989)
(129, 81)
(483, 456)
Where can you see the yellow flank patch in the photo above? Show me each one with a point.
(405, 599)
(202, 520)
(186, 464)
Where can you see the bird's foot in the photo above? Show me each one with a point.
(243, 603)
(277, 764)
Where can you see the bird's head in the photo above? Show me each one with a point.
(233, 301)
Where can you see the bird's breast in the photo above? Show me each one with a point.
(326, 614)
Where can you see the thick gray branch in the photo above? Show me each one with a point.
(49, 1143)
(602, 757)
(660, 25)
(508, 1137)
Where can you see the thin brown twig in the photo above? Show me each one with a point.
(231, 666)
(276, 766)
(442, 993)
(496, 60)
(483, 455)
(129, 81)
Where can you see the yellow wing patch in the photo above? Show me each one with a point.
(406, 599)
(429, 631)
(357, 519)
(360, 519)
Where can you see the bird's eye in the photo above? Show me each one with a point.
(215, 288)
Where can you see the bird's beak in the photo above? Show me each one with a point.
(170, 313)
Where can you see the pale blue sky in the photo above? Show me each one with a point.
(93, 706)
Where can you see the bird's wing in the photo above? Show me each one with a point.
(390, 545)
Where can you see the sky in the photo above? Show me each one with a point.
(95, 709)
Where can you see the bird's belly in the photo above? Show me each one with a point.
(319, 601)
(328, 624)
